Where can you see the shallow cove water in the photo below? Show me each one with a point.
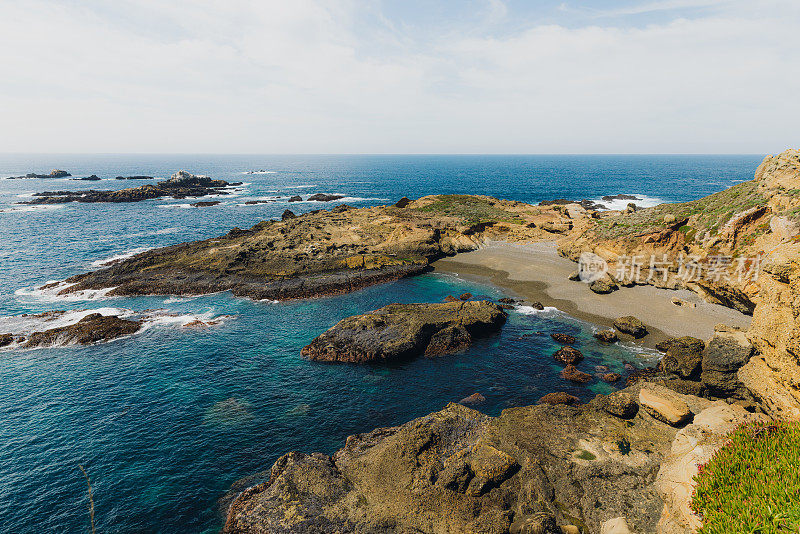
(165, 420)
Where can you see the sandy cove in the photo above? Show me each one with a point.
(536, 272)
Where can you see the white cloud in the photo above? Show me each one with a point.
(308, 76)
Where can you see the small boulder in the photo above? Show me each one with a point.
(631, 325)
(506, 300)
(402, 203)
(564, 339)
(611, 377)
(322, 197)
(664, 405)
(682, 303)
(6, 339)
(572, 374)
(574, 276)
(296, 198)
(604, 285)
(450, 298)
(475, 398)
(606, 336)
(567, 355)
(288, 214)
(559, 397)
(537, 305)
(465, 296)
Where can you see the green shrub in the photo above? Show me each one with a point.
(752, 484)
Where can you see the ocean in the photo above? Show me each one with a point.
(164, 421)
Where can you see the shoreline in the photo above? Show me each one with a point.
(535, 272)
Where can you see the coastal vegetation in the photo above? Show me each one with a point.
(753, 482)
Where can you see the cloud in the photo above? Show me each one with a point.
(308, 76)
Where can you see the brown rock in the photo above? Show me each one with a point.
(559, 397)
(571, 373)
(475, 398)
(611, 377)
(450, 298)
(567, 355)
(465, 296)
(402, 203)
(606, 336)
(631, 325)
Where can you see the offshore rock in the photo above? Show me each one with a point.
(93, 328)
(568, 355)
(631, 325)
(402, 331)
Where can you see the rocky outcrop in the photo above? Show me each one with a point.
(458, 470)
(664, 405)
(563, 339)
(402, 331)
(320, 253)
(606, 336)
(181, 185)
(631, 325)
(571, 373)
(727, 352)
(55, 173)
(93, 328)
(322, 197)
(684, 357)
(568, 355)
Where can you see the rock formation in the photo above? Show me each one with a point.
(402, 331)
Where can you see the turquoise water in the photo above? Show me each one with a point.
(164, 421)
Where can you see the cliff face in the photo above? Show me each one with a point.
(749, 235)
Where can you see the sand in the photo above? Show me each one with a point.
(535, 272)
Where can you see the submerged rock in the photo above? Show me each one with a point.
(564, 339)
(475, 398)
(401, 331)
(228, 412)
(571, 373)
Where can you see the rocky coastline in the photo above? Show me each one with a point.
(621, 463)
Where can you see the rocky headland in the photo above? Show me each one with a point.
(181, 185)
(622, 463)
(402, 331)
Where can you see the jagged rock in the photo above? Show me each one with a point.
(6, 339)
(539, 523)
(475, 398)
(571, 373)
(574, 276)
(92, 178)
(92, 328)
(506, 300)
(726, 353)
(559, 397)
(138, 177)
(465, 296)
(205, 204)
(450, 298)
(287, 215)
(400, 331)
(564, 339)
(606, 336)
(295, 198)
(322, 197)
(631, 325)
(537, 305)
(468, 472)
(663, 346)
(568, 355)
(55, 173)
(620, 404)
(402, 203)
(664, 405)
(683, 357)
(611, 377)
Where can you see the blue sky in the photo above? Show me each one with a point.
(436, 76)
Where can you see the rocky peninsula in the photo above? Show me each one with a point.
(622, 463)
(181, 185)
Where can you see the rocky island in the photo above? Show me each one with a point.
(55, 173)
(181, 185)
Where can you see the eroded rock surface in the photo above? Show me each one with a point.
(401, 331)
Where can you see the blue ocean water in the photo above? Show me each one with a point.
(164, 421)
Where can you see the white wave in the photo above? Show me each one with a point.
(304, 186)
(174, 300)
(530, 310)
(49, 292)
(642, 201)
(28, 194)
(259, 172)
(184, 206)
(343, 199)
(35, 207)
(119, 257)
(154, 318)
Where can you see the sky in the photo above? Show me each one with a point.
(405, 76)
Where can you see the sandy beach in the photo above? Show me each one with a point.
(535, 272)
